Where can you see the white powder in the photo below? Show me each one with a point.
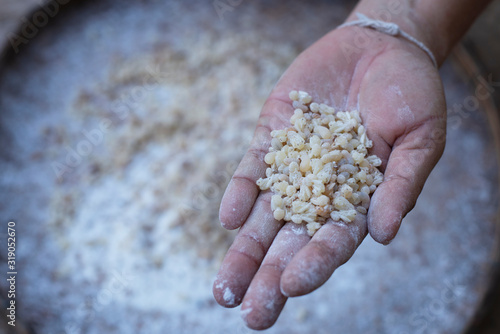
(105, 250)
(228, 296)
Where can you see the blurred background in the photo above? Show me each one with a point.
(120, 127)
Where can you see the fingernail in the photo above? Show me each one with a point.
(284, 292)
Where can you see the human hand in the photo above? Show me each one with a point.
(399, 94)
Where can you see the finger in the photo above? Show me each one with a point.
(264, 301)
(409, 165)
(242, 190)
(331, 246)
(246, 253)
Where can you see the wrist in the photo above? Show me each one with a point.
(408, 20)
(437, 24)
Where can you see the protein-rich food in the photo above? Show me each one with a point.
(320, 167)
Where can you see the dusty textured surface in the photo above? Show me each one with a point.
(482, 41)
(128, 241)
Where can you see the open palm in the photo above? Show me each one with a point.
(399, 95)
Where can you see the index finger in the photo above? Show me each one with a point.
(242, 190)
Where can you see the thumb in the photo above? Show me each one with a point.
(408, 167)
